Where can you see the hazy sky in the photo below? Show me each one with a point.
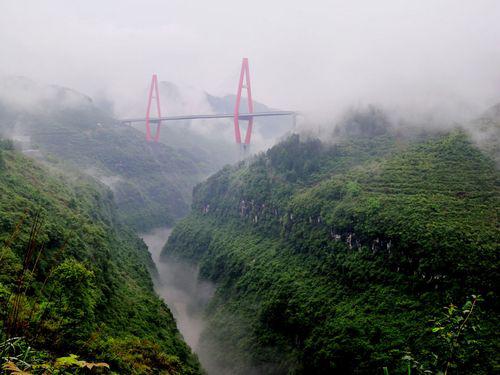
(303, 54)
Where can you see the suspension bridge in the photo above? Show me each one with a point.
(237, 116)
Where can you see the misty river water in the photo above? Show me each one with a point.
(178, 285)
(187, 296)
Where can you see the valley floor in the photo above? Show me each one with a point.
(177, 283)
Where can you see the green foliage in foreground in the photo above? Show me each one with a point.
(339, 259)
(74, 280)
(18, 358)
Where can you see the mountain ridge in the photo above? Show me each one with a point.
(335, 257)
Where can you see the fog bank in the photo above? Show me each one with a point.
(187, 296)
(304, 56)
(178, 285)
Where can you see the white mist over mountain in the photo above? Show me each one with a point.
(316, 56)
(178, 99)
(22, 93)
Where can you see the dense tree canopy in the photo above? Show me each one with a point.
(73, 279)
(340, 257)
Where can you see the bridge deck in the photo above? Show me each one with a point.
(242, 116)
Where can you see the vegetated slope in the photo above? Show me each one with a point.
(152, 183)
(339, 258)
(73, 279)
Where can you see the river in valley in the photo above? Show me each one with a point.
(178, 285)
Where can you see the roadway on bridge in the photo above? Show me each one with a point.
(241, 116)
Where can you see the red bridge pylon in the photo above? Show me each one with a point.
(245, 73)
(155, 95)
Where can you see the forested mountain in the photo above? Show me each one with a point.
(377, 249)
(75, 280)
(152, 183)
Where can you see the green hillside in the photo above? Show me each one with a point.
(340, 257)
(74, 280)
(152, 183)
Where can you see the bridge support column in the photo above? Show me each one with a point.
(153, 94)
(245, 74)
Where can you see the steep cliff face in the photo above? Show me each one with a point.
(74, 279)
(339, 258)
